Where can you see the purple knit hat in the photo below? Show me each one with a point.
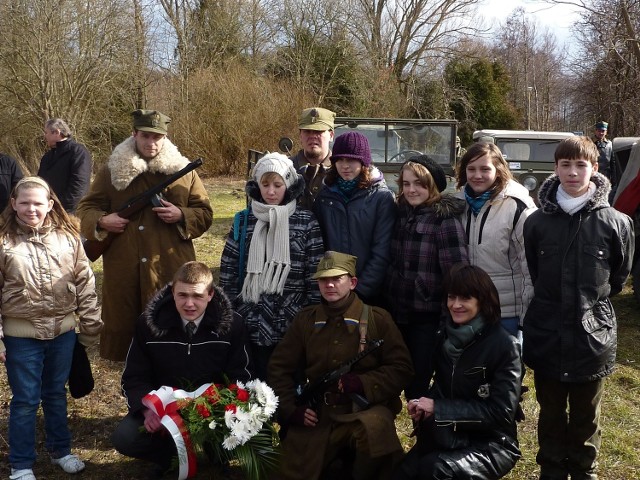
(351, 145)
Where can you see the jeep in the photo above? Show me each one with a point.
(529, 154)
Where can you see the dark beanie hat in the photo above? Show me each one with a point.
(436, 171)
(351, 145)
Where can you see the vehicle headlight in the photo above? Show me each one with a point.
(529, 182)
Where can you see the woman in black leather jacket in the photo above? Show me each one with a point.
(466, 427)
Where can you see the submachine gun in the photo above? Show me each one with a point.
(311, 393)
(95, 248)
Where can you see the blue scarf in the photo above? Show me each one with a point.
(476, 203)
(346, 187)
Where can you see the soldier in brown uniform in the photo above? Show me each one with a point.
(312, 161)
(153, 243)
(320, 338)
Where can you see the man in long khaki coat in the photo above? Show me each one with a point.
(152, 244)
(336, 437)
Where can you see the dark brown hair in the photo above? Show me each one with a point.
(480, 149)
(471, 281)
(573, 148)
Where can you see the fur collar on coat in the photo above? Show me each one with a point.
(125, 164)
(549, 188)
(448, 206)
(161, 314)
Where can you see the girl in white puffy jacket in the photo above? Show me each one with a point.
(497, 207)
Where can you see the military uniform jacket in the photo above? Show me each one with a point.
(145, 256)
(319, 344)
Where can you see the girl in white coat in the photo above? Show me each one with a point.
(496, 209)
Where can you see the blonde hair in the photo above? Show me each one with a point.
(194, 272)
(57, 216)
(270, 177)
(424, 177)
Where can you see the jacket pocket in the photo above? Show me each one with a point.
(595, 263)
(600, 317)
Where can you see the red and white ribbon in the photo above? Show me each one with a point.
(164, 403)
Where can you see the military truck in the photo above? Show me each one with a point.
(395, 140)
(528, 153)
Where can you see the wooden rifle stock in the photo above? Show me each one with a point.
(95, 248)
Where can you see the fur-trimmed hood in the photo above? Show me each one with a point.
(252, 189)
(448, 206)
(549, 188)
(125, 164)
(161, 314)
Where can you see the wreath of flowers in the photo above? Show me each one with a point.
(227, 423)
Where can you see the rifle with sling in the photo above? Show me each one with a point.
(312, 392)
(95, 248)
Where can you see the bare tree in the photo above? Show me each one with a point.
(405, 35)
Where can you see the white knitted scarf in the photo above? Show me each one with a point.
(571, 204)
(269, 260)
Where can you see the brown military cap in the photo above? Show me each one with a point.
(334, 264)
(316, 118)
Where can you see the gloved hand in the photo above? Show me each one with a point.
(351, 383)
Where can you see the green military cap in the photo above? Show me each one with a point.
(602, 125)
(316, 118)
(150, 121)
(334, 264)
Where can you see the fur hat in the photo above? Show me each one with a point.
(434, 168)
(351, 145)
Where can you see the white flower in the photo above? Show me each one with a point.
(231, 442)
(264, 395)
(213, 425)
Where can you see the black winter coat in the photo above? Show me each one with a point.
(10, 174)
(476, 398)
(67, 170)
(576, 262)
(161, 354)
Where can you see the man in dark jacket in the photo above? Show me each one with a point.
(10, 174)
(320, 338)
(579, 252)
(187, 336)
(66, 166)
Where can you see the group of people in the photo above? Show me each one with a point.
(456, 290)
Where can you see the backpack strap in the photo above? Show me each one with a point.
(364, 324)
(520, 207)
(240, 221)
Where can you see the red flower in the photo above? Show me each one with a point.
(203, 410)
(230, 408)
(233, 387)
(243, 395)
(212, 394)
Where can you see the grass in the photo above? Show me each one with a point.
(93, 418)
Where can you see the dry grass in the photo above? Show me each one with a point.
(93, 418)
